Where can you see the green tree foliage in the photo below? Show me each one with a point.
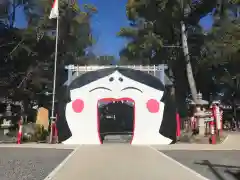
(27, 55)
(156, 27)
(154, 37)
(220, 54)
(155, 34)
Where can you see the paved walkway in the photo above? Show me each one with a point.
(119, 162)
(232, 139)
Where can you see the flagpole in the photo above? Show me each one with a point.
(54, 80)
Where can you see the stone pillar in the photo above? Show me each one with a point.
(162, 74)
(201, 126)
(7, 122)
(200, 120)
(70, 74)
(6, 125)
(8, 110)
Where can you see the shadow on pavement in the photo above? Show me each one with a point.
(229, 170)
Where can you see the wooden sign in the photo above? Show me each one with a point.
(43, 117)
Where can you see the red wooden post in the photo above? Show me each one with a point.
(55, 130)
(19, 134)
(221, 120)
(193, 122)
(212, 125)
(213, 134)
(178, 133)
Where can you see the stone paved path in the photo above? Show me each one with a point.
(121, 162)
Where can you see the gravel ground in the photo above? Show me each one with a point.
(214, 165)
(29, 163)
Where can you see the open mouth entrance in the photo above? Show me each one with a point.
(116, 120)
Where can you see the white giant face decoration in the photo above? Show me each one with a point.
(82, 111)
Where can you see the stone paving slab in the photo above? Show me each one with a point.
(119, 162)
(215, 165)
(232, 139)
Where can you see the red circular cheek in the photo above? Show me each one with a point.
(153, 106)
(78, 105)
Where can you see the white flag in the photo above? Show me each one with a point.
(54, 12)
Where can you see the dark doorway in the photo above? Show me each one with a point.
(116, 120)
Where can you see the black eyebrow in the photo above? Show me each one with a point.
(131, 88)
(100, 88)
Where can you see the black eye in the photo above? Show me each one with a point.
(120, 79)
(111, 79)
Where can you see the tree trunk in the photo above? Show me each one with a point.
(190, 76)
(219, 9)
(13, 14)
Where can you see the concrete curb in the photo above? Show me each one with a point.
(44, 146)
(198, 147)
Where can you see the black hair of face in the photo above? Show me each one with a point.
(135, 75)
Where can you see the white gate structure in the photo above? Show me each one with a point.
(156, 70)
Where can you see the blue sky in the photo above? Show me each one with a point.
(106, 23)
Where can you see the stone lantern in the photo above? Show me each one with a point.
(199, 113)
(8, 110)
(7, 123)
